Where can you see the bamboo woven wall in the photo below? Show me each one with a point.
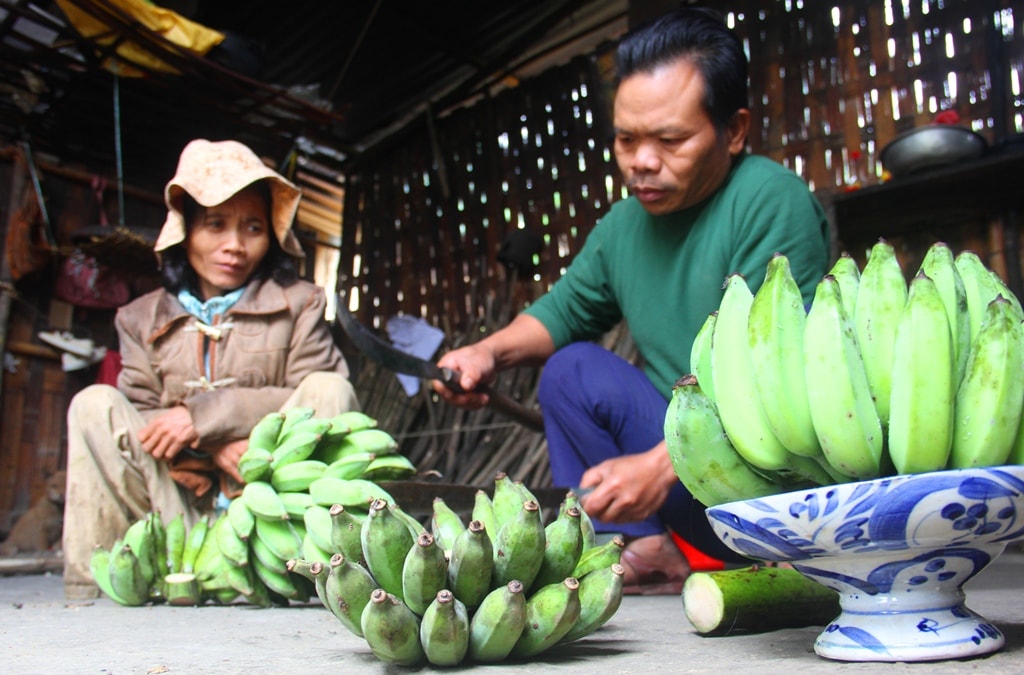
(423, 225)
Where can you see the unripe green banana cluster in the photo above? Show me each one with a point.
(164, 562)
(296, 466)
(878, 377)
(502, 586)
(292, 448)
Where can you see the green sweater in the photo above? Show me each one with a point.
(664, 274)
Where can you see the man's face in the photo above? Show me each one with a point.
(668, 150)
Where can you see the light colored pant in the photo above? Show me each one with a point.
(112, 481)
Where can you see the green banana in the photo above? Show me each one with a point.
(939, 266)
(211, 561)
(234, 549)
(351, 420)
(740, 408)
(445, 524)
(1005, 291)
(264, 502)
(296, 447)
(526, 495)
(264, 434)
(350, 466)
(600, 597)
(483, 510)
(312, 552)
(987, 411)
(921, 410)
(99, 566)
(1016, 455)
(551, 613)
(370, 440)
(704, 459)
(346, 534)
(267, 557)
(389, 467)
(314, 572)
(292, 418)
(281, 584)
(586, 524)
(295, 505)
(296, 476)
(563, 544)
(415, 526)
(880, 302)
(241, 518)
(471, 564)
(846, 273)
(497, 623)
(356, 492)
(175, 538)
(137, 536)
(254, 465)
(159, 534)
(776, 336)
(193, 544)
(280, 536)
(599, 557)
(126, 579)
(319, 525)
(979, 288)
(392, 630)
(424, 573)
(519, 547)
(700, 353)
(444, 630)
(506, 501)
(386, 541)
(841, 404)
(348, 588)
(241, 579)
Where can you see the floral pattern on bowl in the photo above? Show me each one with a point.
(897, 549)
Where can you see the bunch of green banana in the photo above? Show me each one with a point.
(158, 562)
(878, 376)
(291, 449)
(445, 592)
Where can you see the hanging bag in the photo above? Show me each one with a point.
(86, 282)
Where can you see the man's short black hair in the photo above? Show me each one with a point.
(700, 36)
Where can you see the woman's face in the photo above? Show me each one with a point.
(226, 242)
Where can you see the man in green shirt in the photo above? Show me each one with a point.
(701, 208)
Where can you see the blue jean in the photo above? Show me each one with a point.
(597, 406)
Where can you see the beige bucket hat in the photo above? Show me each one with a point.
(211, 172)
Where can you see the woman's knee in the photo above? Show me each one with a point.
(332, 391)
(92, 399)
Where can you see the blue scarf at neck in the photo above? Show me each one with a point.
(206, 311)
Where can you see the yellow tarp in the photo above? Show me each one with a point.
(171, 25)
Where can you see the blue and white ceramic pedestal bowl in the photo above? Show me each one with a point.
(898, 551)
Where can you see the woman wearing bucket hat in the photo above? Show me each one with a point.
(232, 335)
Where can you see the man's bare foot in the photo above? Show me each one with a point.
(654, 566)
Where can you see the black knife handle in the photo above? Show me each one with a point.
(528, 417)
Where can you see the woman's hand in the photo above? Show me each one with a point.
(226, 457)
(169, 433)
(629, 488)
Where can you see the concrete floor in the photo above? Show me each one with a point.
(40, 632)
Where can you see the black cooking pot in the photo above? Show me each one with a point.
(930, 147)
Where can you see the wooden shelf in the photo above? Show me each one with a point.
(983, 188)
